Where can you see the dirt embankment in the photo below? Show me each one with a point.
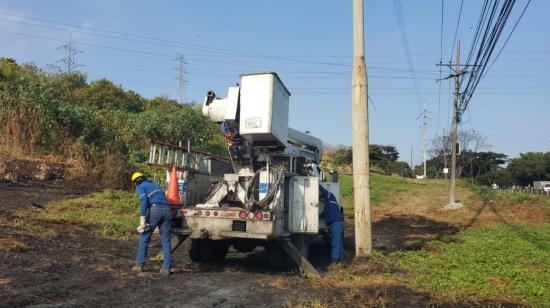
(24, 170)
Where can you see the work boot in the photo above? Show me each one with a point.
(137, 268)
(164, 272)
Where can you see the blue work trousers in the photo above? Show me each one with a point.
(337, 241)
(159, 216)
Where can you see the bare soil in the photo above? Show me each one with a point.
(49, 264)
(55, 264)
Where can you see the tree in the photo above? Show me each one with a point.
(441, 149)
(381, 156)
(103, 94)
(530, 167)
(343, 156)
(61, 114)
(482, 165)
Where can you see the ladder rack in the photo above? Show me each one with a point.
(163, 153)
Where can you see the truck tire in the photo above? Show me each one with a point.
(245, 245)
(278, 258)
(195, 251)
(208, 251)
(219, 250)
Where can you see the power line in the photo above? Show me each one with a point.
(404, 39)
(456, 30)
(491, 34)
(164, 42)
(440, 62)
(508, 38)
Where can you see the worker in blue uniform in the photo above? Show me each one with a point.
(335, 220)
(154, 212)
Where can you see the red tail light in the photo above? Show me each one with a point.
(259, 215)
(242, 214)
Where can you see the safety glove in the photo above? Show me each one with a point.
(142, 225)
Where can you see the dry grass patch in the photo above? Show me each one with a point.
(277, 283)
(10, 244)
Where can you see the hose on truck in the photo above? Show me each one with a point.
(276, 174)
(250, 202)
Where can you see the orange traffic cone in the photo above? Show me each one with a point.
(173, 194)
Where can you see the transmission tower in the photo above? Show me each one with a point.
(181, 80)
(71, 51)
(424, 130)
(425, 118)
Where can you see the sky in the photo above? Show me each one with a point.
(309, 44)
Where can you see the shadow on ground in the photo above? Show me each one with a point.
(402, 233)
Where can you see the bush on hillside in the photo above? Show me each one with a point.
(94, 123)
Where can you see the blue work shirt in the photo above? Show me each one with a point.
(327, 194)
(149, 193)
(332, 212)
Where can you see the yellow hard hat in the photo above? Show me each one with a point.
(136, 175)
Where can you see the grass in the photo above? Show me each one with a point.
(507, 197)
(12, 244)
(512, 197)
(505, 262)
(498, 263)
(112, 213)
(382, 187)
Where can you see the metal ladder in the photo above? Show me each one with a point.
(167, 154)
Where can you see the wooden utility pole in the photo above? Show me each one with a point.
(456, 118)
(360, 138)
(454, 135)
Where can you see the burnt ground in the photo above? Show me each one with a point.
(55, 264)
(62, 265)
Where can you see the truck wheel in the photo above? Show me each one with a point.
(195, 251)
(278, 258)
(245, 246)
(219, 250)
(208, 251)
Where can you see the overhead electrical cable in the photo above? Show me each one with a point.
(404, 39)
(440, 63)
(507, 38)
(491, 23)
(456, 29)
(157, 41)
